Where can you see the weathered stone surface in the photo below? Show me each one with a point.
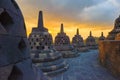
(42, 52)
(62, 44)
(90, 42)
(15, 62)
(78, 42)
(109, 55)
(115, 30)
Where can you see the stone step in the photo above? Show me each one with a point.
(45, 64)
(47, 58)
(53, 67)
(56, 72)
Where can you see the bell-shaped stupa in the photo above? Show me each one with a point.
(115, 30)
(62, 44)
(102, 37)
(42, 52)
(78, 42)
(90, 42)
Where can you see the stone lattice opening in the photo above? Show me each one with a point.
(22, 45)
(5, 19)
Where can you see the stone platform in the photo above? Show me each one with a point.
(85, 67)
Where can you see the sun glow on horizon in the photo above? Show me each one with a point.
(71, 31)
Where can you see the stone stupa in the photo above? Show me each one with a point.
(102, 37)
(90, 42)
(42, 52)
(115, 30)
(15, 62)
(78, 42)
(62, 44)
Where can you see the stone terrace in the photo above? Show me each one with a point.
(85, 67)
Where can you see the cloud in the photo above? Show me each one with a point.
(83, 14)
(68, 9)
(104, 13)
(79, 11)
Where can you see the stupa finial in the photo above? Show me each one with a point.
(77, 31)
(62, 28)
(40, 20)
(101, 33)
(90, 33)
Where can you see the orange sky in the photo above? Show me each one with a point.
(52, 22)
(69, 27)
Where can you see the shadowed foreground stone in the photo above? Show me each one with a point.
(78, 43)
(15, 62)
(42, 52)
(62, 44)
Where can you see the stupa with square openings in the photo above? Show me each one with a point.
(78, 42)
(42, 51)
(90, 42)
(62, 44)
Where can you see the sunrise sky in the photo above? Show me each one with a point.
(95, 15)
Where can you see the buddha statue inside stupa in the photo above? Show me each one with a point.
(102, 37)
(90, 42)
(42, 52)
(78, 42)
(62, 44)
(115, 30)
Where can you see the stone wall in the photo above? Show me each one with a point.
(109, 55)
